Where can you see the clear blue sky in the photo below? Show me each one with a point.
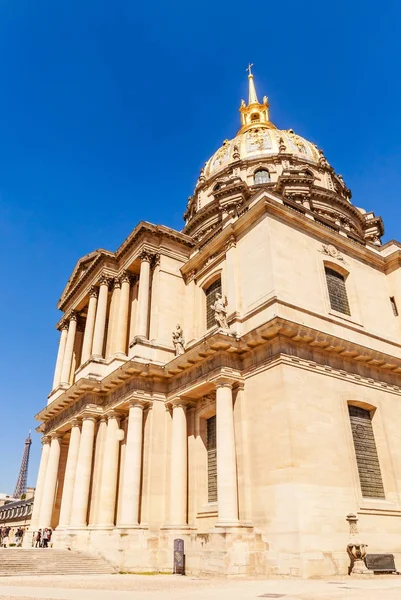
(109, 109)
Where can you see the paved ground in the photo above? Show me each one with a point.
(171, 587)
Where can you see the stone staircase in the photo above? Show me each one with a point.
(49, 561)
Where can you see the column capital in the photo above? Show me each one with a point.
(155, 260)
(223, 381)
(93, 292)
(46, 439)
(146, 255)
(104, 280)
(73, 316)
(76, 422)
(179, 402)
(64, 324)
(116, 282)
(89, 417)
(113, 414)
(126, 277)
(56, 435)
(138, 402)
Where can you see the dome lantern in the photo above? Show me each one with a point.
(255, 115)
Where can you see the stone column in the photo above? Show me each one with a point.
(69, 349)
(100, 321)
(89, 326)
(60, 354)
(49, 490)
(108, 489)
(132, 466)
(179, 465)
(143, 295)
(227, 493)
(97, 469)
(69, 477)
(40, 484)
(113, 317)
(120, 346)
(83, 473)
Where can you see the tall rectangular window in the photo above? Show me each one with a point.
(337, 291)
(211, 292)
(211, 460)
(366, 453)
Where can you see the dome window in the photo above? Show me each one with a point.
(261, 176)
(217, 187)
(255, 117)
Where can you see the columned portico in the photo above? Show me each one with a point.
(70, 475)
(227, 492)
(108, 489)
(50, 483)
(40, 485)
(83, 473)
(69, 348)
(179, 465)
(100, 321)
(143, 294)
(132, 466)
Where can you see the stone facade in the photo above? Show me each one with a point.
(300, 324)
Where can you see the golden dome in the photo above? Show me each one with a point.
(258, 143)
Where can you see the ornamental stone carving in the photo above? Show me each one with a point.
(178, 340)
(356, 549)
(93, 292)
(125, 277)
(146, 256)
(104, 280)
(220, 311)
(332, 251)
(230, 243)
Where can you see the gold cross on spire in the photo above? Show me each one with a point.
(249, 67)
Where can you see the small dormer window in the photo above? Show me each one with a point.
(261, 176)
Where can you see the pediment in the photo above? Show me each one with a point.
(81, 268)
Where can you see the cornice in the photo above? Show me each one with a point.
(220, 354)
(266, 201)
(113, 262)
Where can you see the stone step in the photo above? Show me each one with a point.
(46, 561)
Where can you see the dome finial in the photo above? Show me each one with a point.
(253, 99)
(255, 114)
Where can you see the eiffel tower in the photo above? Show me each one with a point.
(20, 488)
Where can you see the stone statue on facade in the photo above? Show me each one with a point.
(179, 340)
(220, 311)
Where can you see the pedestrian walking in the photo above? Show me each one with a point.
(19, 534)
(45, 538)
(38, 538)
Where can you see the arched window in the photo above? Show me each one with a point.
(217, 187)
(337, 291)
(211, 292)
(255, 117)
(261, 176)
(366, 452)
